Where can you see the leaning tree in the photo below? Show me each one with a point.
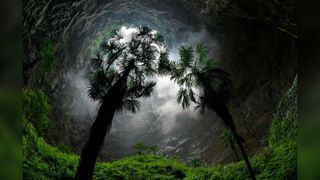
(120, 77)
(228, 140)
(207, 86)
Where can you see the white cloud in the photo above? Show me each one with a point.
(127, 33)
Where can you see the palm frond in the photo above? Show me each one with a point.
(201, 51)
(186, 55)
(159, 38)
(97, 62)
(150, 71)
(190, 79)
(132, 105)
(164, 65)
(118, 35)
(100, 81)
(98, 84)
(183, 98)
(201, 106)
(147, 89)
(133, 88)
(208, 65)
(144, 30)
(182, 81)
(177, 72)
(112, 75)
(192, 96)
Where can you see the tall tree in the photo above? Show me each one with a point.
(207, 86)
(228, 140)
(120, 77)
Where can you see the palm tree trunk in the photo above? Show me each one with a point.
(220, 107)
(98, 131)
(244, 155)
(110, 103)
(234, 149)
(223, 112)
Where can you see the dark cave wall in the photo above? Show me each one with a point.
(259, 50)
(259, 55)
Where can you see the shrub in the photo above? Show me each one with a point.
(35, 110)
(195, 162)
(141, 148)
(43, 161)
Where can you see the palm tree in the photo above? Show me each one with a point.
(118, 80)
(228, 140)
(207, 86)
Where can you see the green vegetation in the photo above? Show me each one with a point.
(43, 161)
(141, 167)
(284, 127)
(47, 58)
(144, 149)
(195, 162)
(35, 110)
(41, 65)
(278, 161)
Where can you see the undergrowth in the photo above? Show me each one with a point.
(277, 162)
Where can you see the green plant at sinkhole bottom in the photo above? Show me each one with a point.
(277, 161)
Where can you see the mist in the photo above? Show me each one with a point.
(160, 121)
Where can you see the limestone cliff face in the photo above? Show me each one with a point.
(257, 46)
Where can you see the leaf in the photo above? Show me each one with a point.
(164, 65)
(147, 89)
(208, 66)
(201, 53)
(159, 38)
(132, 105)
(98, 84)
(144, 30)
(177, 73)
(191, 95)
(97, 62)
(201, 107)
(183, 98)
(186, 55)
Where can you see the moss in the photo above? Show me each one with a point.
(47, 53)
(284, 126)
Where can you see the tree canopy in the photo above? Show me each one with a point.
(144, 49)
